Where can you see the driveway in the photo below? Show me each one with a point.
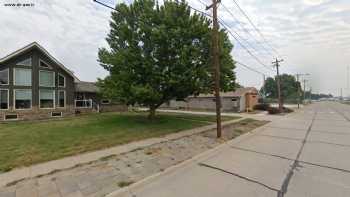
(303, 154)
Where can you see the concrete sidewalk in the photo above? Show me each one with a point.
(304, 154)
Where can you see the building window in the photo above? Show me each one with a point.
(47, 99)
(61, 98)
(22, 77)
(4, 99)
(23, 99)
(11, 117)
(80, 96)
(56, 114)
(46, 78)
(26, 62)
(43, 64)
(4, 77)
(83, 103)
(61, 81)
(106, 101)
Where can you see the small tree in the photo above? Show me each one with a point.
(289, 87)
(159, 53)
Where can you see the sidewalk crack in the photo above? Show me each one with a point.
(286, 158)
(295, 164)
(239, 176)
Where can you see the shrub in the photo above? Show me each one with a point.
(262, 106)
(273, 110)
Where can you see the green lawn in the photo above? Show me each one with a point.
(26, 143)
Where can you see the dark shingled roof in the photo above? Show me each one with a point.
(238, 93)
(83, 86)
(31, 46)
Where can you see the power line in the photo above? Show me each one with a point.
(235, 37)
(242, 39)
(240, 43)
(244, 65)
(195, 9)
(239, 23)
(200, 1)
(105, 5)
(254, 26)
(250, 68)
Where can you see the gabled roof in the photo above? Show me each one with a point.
(43, 50)
(238, 93)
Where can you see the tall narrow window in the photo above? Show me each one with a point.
(23, 77)
(4, 77)
(23, 99)
(4, 99)
(46, 78)
(47, 98)
(26, 62)
(61, 81)
(61, 98)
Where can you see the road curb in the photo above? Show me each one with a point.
(126, 191)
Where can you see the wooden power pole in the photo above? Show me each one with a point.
(304, 89)
(216, 65)
(264, 89)
(348, 81)
(299, 90)
(280, 104)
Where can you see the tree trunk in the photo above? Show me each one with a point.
(152, 112)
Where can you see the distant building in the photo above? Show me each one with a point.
(241, 100)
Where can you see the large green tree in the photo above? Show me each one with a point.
(161, 52)
(289, 87)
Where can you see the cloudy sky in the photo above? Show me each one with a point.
(312, 36)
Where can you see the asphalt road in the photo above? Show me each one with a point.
(304, 154)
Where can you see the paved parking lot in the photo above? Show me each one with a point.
(303, 154)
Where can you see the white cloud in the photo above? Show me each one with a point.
(311, 35)
(71, 30)
(314, 2)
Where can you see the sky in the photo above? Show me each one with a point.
(311, 36)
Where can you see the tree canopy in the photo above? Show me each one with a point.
(161, 52)
(289, 87)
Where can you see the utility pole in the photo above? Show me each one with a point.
(298, 75)
(280, 104)
(304, 88)
(341, 93)
(348, 81)
(310, 96)
(264, 88)
(216, 64)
